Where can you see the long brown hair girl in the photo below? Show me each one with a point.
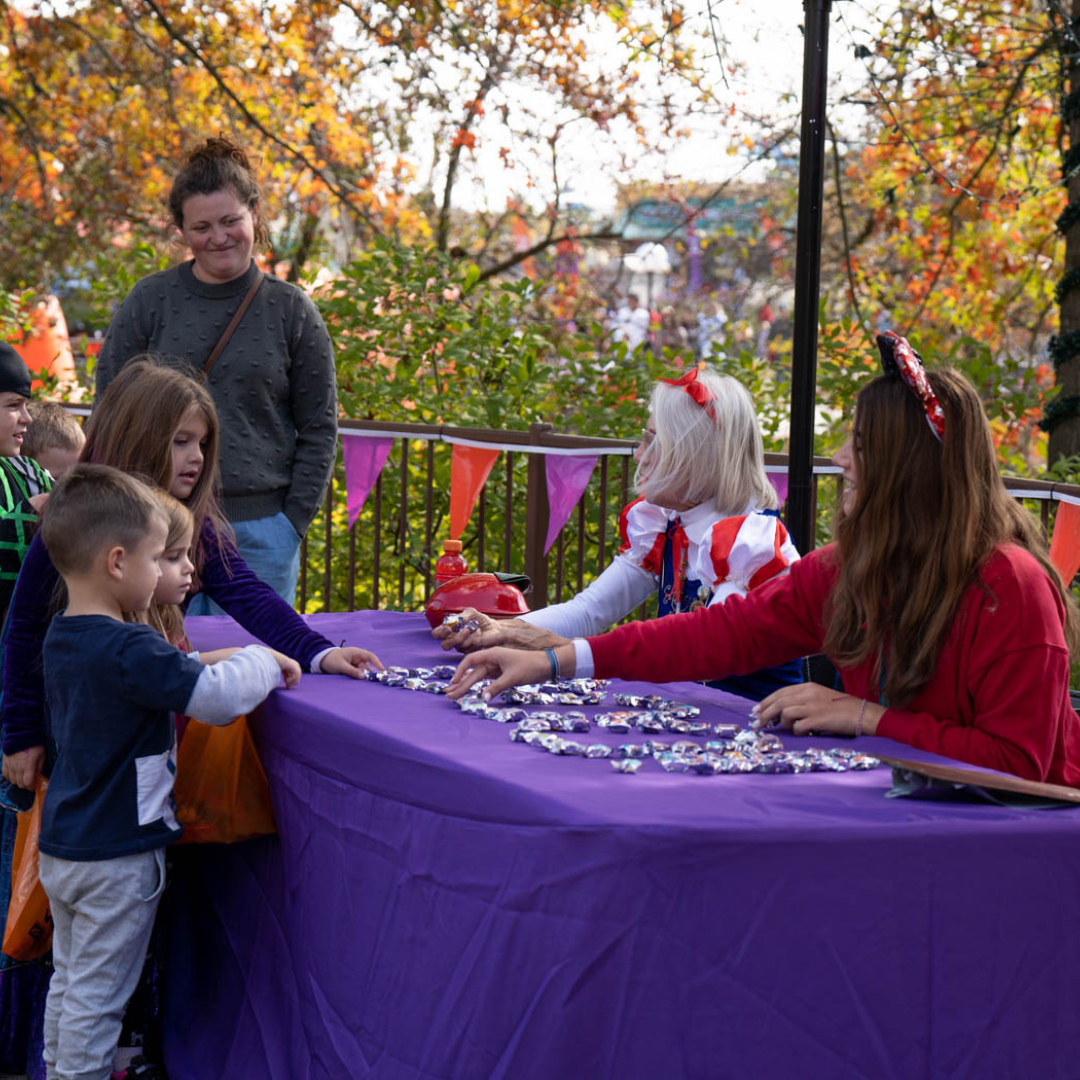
(130, 438)
(925, 516)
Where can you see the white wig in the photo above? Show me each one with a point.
(696, 458)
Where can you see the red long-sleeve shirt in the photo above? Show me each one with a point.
(998, 698)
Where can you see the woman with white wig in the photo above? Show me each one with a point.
(705, 527)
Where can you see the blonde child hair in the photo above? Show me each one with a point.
(697, 459)
(52, 428)
(168, 619)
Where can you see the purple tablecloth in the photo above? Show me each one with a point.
(443, 903)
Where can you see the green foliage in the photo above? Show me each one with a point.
(420, 339)
(115, 273)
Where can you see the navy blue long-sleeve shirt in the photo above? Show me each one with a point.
(226, 579)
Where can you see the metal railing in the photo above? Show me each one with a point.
(393, 545)
(332, 579)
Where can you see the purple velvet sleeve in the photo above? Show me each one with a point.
(23, 715)
(229, 582)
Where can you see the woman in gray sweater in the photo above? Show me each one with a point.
(274, 381)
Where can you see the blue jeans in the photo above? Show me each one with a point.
(271, 548)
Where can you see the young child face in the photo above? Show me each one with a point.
(142, 569)
(189, 443)
(58, 459)
(14, 420)
(176, 571)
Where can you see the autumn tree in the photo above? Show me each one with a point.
(366, 115)
(946, 197)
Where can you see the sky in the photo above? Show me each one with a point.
(761, 40)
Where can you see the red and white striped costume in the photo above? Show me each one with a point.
(726, 555)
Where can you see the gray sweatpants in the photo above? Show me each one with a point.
(102, 914)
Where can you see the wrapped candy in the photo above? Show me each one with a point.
(626, 765)
(457, 622)
(472, 705)
(618, 723)
(720, 746)
(726, 731)
(443, 671)
(579, 699)
(768, 744)
(534, 723)
(507, 716)
(632, 750)
(862, 761)
(680, 711)
(683, 747)
(598, 750)
(572, 721)
(651, 724)
(571, 748)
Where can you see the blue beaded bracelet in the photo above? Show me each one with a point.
(553, 660)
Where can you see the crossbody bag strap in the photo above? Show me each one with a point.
(234, 322)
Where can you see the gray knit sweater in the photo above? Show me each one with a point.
(274, 385)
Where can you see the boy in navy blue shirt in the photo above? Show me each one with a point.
(108, 811)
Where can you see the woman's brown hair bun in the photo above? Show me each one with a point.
(213, 165)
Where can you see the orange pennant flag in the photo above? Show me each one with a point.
(1065, 543)
(469, 471)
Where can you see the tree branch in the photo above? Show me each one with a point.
(339, 190)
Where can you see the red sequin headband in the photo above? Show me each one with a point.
(701, 394)
(899, 358)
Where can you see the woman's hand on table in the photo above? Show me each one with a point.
(812, 707)
(350, 661)
(22, 767)
(514, 633)
(508, 667)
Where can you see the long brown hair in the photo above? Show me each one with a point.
(927, 514)
(132, 429)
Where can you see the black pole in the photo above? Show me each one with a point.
(800, 506)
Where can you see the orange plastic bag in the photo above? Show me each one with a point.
(28, 934)
(222, 794)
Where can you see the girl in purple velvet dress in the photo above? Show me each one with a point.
(158, 423)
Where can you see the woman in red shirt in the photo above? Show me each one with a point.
(937, 602)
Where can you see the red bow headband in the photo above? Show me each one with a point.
(701, 394)
(899, 358)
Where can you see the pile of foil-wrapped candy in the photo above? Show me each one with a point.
(723, 749)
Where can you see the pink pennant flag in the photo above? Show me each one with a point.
(779, 481)
(567, 478)
(364, 459)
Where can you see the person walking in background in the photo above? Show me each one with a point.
(766, 318)
(271, 373)
(631, 323)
